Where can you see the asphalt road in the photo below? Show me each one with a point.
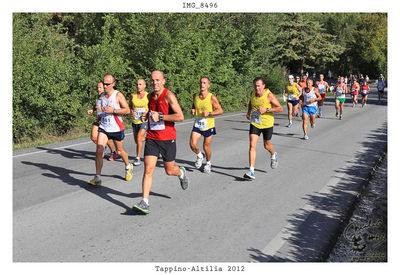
(291, 213)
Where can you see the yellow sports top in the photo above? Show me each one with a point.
(201, 105)
(265, 120)
(140, 106)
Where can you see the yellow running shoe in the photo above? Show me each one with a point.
(95, 181)
(129, 172)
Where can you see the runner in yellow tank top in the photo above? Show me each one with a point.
(292, 92)
(205, 108)
(260, 111)
(138, 104)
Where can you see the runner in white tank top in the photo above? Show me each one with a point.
(311, 96)
(113, 106)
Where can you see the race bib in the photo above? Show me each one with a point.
(291, 97)
(256, 117)
(365, 92)
(201, 123)
(139, 112)
(353, 90)
(339, 92)
(106, 120)
(155, 126)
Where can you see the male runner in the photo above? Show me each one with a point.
(95, 128)
(364, 92)
(138, 104)
(113, 106)
(164, 110)
(292, 92)
(263, 103)
(323, 87)
(381, 87)
(340, 96)
(302, 84)
(310, 98)
(355, 88)
(205, 108)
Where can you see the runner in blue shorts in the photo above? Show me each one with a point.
(311, 97)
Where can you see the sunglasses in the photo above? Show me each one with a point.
(106, 84)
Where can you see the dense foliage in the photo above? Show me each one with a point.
(59, 58)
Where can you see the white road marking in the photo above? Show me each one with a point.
(86, 142)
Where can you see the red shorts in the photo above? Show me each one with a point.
(323, 96)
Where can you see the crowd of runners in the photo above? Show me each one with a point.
(153, 115)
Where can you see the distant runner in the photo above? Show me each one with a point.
(355, 88)
(364, 93)
(292, 92)
(138, 104)
(381, 87)
(340, 97)
(263, 103)
(205, 108)
(323, 87)
(311, 97)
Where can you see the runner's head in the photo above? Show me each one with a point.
(108, 82)
(157, 81)
(310, 82)
(140, 85)
(321, 77)
(297, 79)
(291, 79)
(304, 78)
(204, 83)
(259, 84)
(100, 87)
(341, 80)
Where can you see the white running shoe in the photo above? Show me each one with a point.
(290, 124)
(305, 137)
(199, 162)
(207, 168)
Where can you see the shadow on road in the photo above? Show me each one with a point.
(314, 230)
(104, 192)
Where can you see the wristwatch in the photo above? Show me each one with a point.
(267, 110)
(210, 114)
(161, 116)
(114, 111)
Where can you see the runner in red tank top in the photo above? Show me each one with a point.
(164, 110)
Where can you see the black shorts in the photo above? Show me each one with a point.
(118, 136)
(381, 92)
(167, 149)
(96, 124)
(267, 132)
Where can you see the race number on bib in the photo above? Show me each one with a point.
(139, 112)
(106, 120)
(364, 92)
(156, 125)
(201, 123)
(256, 117)
(339, 92)
(292, 97)
(321, 88)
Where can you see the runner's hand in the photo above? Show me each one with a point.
(193, 111)
(89, 112)
(155, 116)
(263, 110)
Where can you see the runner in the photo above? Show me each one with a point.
(381, 87)
(263, 103)
(292, 92)
(311, 97)
(323, 87)
(340, 95)
(138, 104)
(205, 108)
(355, 88)
(95, 128)
(164, 110)
(113, 106)
(302, 84)
(364, 93)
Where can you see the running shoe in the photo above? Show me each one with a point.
(104, 152)
(137, 162)
(274, 162)
(249, 175)
(318, 115)
(142, 207)
(199, 162)
(340, 117)
(129, 172)
(95, 181)
(312, 125)
(184, 179)
(290, 124)
(298, 114)
(207, 168)
(112, 156)
(305, 137)
(337, 114)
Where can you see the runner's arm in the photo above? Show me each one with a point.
(124, 107)
(216, 106)
(176, 108)
(276, 106)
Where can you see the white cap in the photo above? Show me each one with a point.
(291, 76)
